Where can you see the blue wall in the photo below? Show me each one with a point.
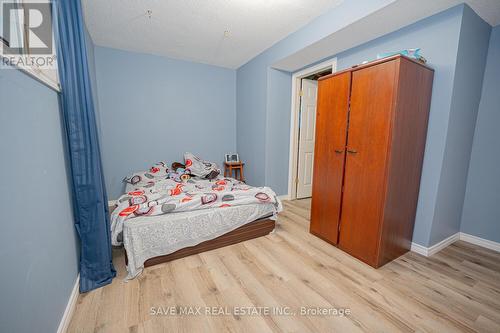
(154, 108)
(38, 244)
(481, 211)
(264, 94)
(251, 99)
(456, 92)
(447, 40)
(279, 92)
(433, 35)
(92, 72)
(467, 84)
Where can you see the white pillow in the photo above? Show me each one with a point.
(159, 170)
(197, 167)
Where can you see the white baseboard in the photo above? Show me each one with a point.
(444, 243)
(284, 197)
(429, 251)
(480, 241)
(70, 307)
(417, 248)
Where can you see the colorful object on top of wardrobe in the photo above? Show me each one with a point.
(410, 53)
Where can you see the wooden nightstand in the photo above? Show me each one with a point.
(236, 166)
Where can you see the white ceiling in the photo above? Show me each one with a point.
(489, 10)
(228, 33)
(195, 29)
(390, 18)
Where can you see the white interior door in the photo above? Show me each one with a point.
(307, 127)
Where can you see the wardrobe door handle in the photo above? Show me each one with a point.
(339, 151)
(351, 151)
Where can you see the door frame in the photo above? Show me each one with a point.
(294, 120)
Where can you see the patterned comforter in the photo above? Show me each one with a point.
(165, 196)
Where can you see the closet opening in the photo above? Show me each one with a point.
(302, 128)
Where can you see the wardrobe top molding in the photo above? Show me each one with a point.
(373, 63)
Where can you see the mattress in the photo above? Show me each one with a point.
(152, 236)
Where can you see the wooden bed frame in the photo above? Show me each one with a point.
(248, 231)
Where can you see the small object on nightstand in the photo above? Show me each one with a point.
(232, 158)
(235, 166)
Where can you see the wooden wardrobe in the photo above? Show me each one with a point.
(371, 127)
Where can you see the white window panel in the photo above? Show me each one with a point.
(18, 36)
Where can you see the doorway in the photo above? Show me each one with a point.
(303, 125)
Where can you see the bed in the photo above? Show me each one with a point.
(162, 217)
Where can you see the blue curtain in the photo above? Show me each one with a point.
(89, 194)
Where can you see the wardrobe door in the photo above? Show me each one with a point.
(329, 155)
(372, 97)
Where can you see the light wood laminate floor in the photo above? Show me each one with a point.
(457, 289)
